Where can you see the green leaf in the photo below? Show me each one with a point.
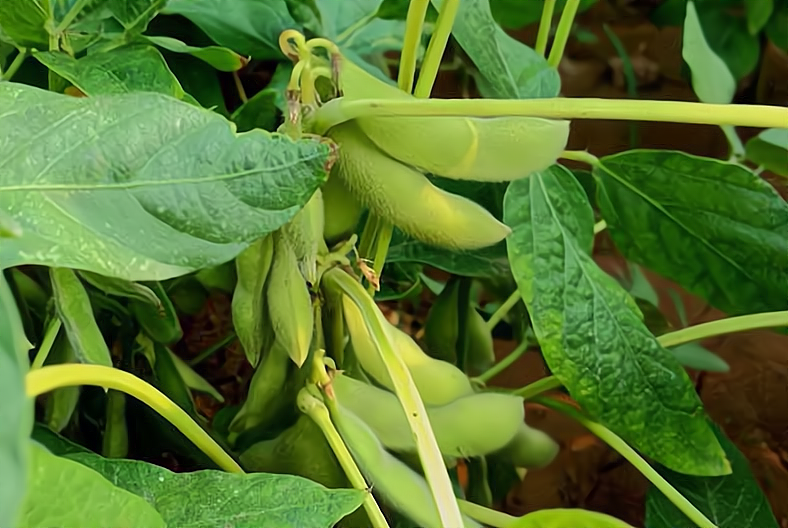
(16, 410)
(199, 79)
(337, 17)
(220, 58)
(142, 186)
(54, 442)
(777, 29)
(696, 356)
(567, 518)
(24, 21)
(248, 27)
(135, 15)
(208, 498)
(160, 321)
(591, 333)
(120, 71)
(769, 149)
(515, 14)
(729, 38)
(487, 262)
(65, 494)
(193, 380)
(257, 112)
(122, 288)
(75, 311)
(758, 13)
(711, 78)
(732, 501)
(713, 227)
(508, 68)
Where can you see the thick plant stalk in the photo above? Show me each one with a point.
(414, 24)
(47, 379)
(340, 110)
(408, 395)
(545, 24)
(562, 33)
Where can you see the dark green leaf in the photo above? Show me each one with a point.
(514, 14)
(24, 21)
(55, 443)
(591, 333)
(712, 81)
(15, 409)
(698, 357)
(76, 313)
(306, 13)
(142, 186)
(729, 38)
(509, 69)
(120, 71)
(248, 27)
(122, 288)
(220, 58)
(732, 501)
(337, 17)
(777, 29)
(769, 149)
(258, 112)
(65, 494)
(135, 14)
(715, 228)
(198, 79)
(758, 13)
(208, 498)
(487, 262)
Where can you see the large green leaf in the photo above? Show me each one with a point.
(24, 21)
(591, 333)
(16, 411)
(487, 262)
(514, 14)
(220, 58)
(135, 15)
(249, 27)
(142, 186)
(770, 150)
(732, 501)
(209, 498)
(714, 227)
(712, 81)
(65, 494)
(509, 69)
(76, 313)
(122, 70)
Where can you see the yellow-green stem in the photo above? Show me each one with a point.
(545, 25)
(505, 363)
(414, 25)
(728, 325)
(581, 156)
(72, 13)
(430, 456)
(340, 110)
(486, 516)
(46, 344)
(46, 379)
(562, 32)
(614, 441)
(435, 49)
(502, 310)
(15, 65)
(536, 388)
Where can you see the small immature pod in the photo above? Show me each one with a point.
(438, 382)
(407, 199)
(305, 234)
(530, 448)
(162, 323)
(400, 486)
(481, 350)
(491, 149)
(248, 305)
(289, 302)
(441, 326)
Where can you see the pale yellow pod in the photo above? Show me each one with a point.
(305, 234)
(530, 448)
(490, 149)
(471, 426)
(289, 302)
(342, 212)
(438, 382)
(407, 199)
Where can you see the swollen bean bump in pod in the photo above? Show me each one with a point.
(406, 198)
(438, 382)
(462, 148)
(400, 486)
(304, 233)
(530, 448)
(342, 212)
(289, 302)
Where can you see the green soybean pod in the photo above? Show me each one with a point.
(530, 448)
(470, 426)
(404, 489)
(568, 518)
(248, 304)
(441, 328)
(115, 443)
(304, 233)
(406, 198)
(289, 302)
(438, 382)
(481, 349)
(76, 313)
(61, 403)
(161, 324)
(493, 149)
(342, 212)
(121, 288)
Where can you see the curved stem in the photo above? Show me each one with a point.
(581, 156)
(532, 390)
(46, 344)
(505, 363)
(486, 516)
(436, 47)
(562, 33)
(50, 378)
(78, 6)
(430, 456)
(724, 326)
(15, 65)
(317, 411)
(502, 310)
(545, 24)
(414, 25)
(340, 110)
(614, 441)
